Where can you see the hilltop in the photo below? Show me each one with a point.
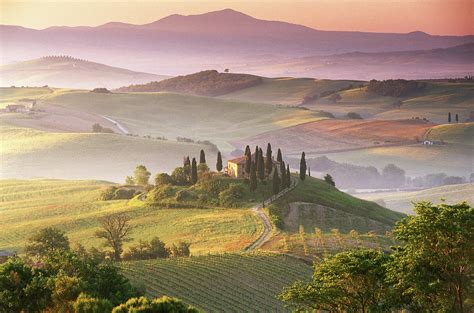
(66, 71)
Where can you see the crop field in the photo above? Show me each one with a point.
(402, 200)
(28, 153)
(221, 283)
(462, 133)
(29, 205)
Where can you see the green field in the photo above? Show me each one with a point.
(29, 205)
(11, 95)
(221, 283)
(172, 115)
(402, 200)
(28, 153)
(462, 133)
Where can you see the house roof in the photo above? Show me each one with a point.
(242, 159)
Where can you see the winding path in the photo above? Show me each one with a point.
(119, 126)
(265, 219)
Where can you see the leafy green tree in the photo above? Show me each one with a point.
(276, 182)
(288, 176)
(160, 305)
(180, 177)
(303, 166)
(141, 175)
(129, 180)
(115, 230)
(47, 240)
(163, 179)
(202, 168)
(260, 166)
(253, 177)
(351, 281)
(328, 179)
(433, 268)
(231, 196)
(202, 157)
(279, 156)
(88, 304)
(219, 162)
(194, 172)
(268, 159)
(66, 289)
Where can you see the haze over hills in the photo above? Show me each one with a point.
(180, 44)
(69, 72)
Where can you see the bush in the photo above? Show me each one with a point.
(117, 193)
(163, 179)
(185, 195)
(182, 249)
(160, 193)
(354, 116)
(100, 90)
(97, 128)
(154, 249)
(87, 304)
(180, 177)
(232, 196)
(160, 305)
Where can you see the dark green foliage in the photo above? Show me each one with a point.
(160, 305)
(202, 157)
(88, 304)
(328, 179)
(276, 182)
(100, 90)
(248, 160)
(433, 269)
(283, 180)
(449, 117)
(352, 281)
(145, 250)
(232, 196)
(117, 193)
(253, 177)
(457, 118)
(288, 176)
(219, 162)
(194, 173)
(354, 116)
(180, 176)
(185, 195)
(247, 150)
(279, 156)
(160, 192)
(268, 159)
(45, 241)
(205, 83)
(260, 166)
(395, 87)
(303, 166)
(141, 175)
(163, 179)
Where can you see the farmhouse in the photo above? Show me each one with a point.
(433, 142)
(236, 167)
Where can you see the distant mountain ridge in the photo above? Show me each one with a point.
(180, 44)
(70, 72)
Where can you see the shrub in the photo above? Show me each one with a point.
(185, 195)
(160, 305)
(163, 179)
(87, 304)
(232, 196)
(354, 116)
(182, 249)
(116, 193)
(179, 176)
(160, 193)
(148, 250)
(100, 90)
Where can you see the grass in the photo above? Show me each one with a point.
(462, 133)
(28, 153)
(402, 200)
(11, 95)
(29, 205)
(221, 283)
(172, 115)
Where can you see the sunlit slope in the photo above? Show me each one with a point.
(172, 115)
(28, 153)
(10, 95)
(221, 283)
(462, 133)
(29, 205)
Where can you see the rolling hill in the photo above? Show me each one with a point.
(226, 39)
(64, 71)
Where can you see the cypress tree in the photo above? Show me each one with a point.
(187, 168)
(303, 167)
(260, 166)
(256, 154)
(309, 171)
(194, 172)
(186, 161)
(283, 175)
(202, 157)
(248, 160)
(279, 156)
(219, 162)
(457, 118)
(247, 150)
(268, 159)
(288, 176)
(253, 177)
(449, 117)
(276, 182)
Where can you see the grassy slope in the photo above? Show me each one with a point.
(402, 201)
(285, 90)
(221, 283)
(172, 115)
(28, 153)
(29, 205)
(11, 95)
(314, 190)
(462, 133)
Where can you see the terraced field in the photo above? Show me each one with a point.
(221, 283)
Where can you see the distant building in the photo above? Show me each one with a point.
(433, 142)
(236, 167)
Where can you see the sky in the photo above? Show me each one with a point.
(438, 17)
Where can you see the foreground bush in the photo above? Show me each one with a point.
(159, 305)
(87, 304)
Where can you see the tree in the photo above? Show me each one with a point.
(279, 156)
(202, 157)
(88, 304)
(194, 172)
(433, 268)
(328, 179)
(163, 179)
(129, 180)
(231, 196)
(449, 117)
(159, 305)
(352, 281)
(219, 162)
(260, 166)
(303, 167)
(182, 249)
(179, 176)
(288, 176)
(269, 159)
(45, 241)
(141, 175)
(253, 177)
(283, 179)
(248, 160)
(393, 176)
(309, 171)
(457, 118)
(116, 230)
(276, 182)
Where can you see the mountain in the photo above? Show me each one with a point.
(180, 44)
(65, 71)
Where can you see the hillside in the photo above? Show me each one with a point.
(205, 83)
(462, 133)
(29, 205)
(401, 201)
(65, 71)
(221, 283)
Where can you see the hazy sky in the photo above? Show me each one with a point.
(453, 17)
